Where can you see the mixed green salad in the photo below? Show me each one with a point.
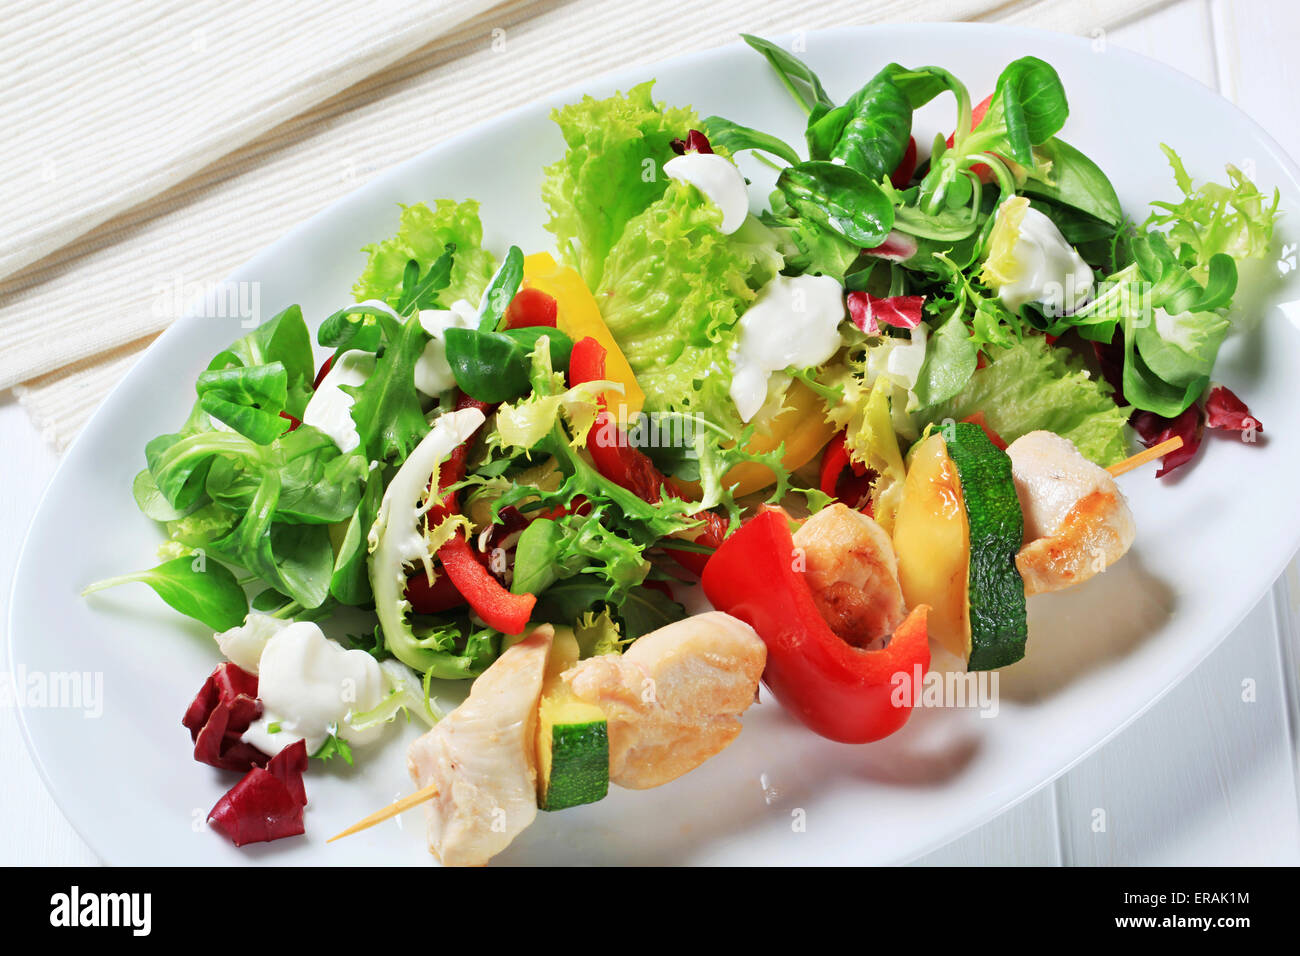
(497, 439)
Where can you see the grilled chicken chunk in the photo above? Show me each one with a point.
(674, 698)
(853, 574)
(482, 756)
(1077, 521)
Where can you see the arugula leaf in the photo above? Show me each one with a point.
(501, 290)
(199, 588)
(421, 292)
(387, 408)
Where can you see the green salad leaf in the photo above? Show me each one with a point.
(199, 588)
(610, 173)
(1031, 385)
(422, 236)
(1232, 218)
(674, 288)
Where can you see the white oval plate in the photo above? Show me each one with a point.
(1209, 543)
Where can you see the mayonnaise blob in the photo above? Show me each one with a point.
(330, 408)
(308, 686)
(719, 180)
(432, 372)
(793, 323)
(1045, 268)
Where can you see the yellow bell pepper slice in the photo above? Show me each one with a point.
(801, 424)
(578, 316)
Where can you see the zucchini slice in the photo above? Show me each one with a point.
(572, 737)
(957, 533)
(996, 592)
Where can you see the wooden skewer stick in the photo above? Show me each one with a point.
(392, 810)
(1142, 457)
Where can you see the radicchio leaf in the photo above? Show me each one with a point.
(897, 247)
(222, 710)
(900, 311)
(267, 803)
(1225, 410)
(1152, 430)
(695, 142)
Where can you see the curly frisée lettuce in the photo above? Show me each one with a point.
(422, 235)
(674, 288)
(1211, 218)
(611, 171)
(1031, 386)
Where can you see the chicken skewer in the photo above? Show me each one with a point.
(854, 578)
(672, 701)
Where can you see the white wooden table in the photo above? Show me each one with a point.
(1204, 777)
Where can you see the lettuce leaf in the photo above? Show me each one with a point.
(674, 288)
(611, 171)
(1232, 218)
(1032, 386)
(421, 235)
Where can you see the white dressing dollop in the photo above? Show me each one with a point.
(432, 372)
(308, 686)
(243, 645)
(793, 323)
(719, 180)
(330, 408)
(1030, 261)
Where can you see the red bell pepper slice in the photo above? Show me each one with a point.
(977, 114)
(324, 370)
(586, 363)
(902, 174)
(530, 308)
(849, 488)
(994, 437)
(628, 467)
(841, 692)
(508, 613)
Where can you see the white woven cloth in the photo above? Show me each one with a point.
(169, 141)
